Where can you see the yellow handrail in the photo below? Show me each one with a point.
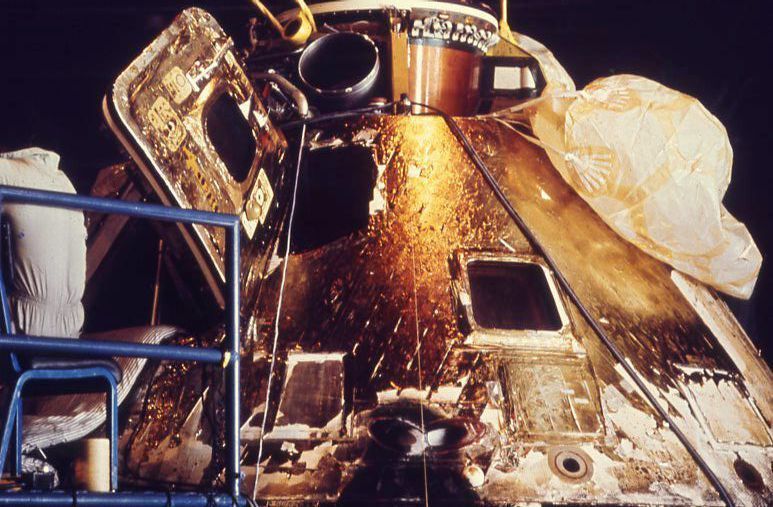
(264, 10)
(303, 25)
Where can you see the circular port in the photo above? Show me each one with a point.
(570, 464)
(398, 435)
(749, 475)
(439, 438)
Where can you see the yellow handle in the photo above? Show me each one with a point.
(296, 31)
(307, 12)
(264, 10)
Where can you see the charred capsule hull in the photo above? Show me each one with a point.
(403, 295)
(421, 339)
(421, 322)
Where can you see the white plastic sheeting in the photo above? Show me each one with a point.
(652, 162)
(49, 249)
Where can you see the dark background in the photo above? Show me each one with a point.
(57, 59)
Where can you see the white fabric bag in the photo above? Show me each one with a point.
(49, 249)
(652, 162)
(655, 165)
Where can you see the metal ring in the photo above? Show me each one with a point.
(571, 464)
(349, 91)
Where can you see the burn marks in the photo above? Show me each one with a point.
(334, 193)
(312, 398)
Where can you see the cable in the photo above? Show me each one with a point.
(285, 86)
(338, 116)
(301, 143)
(616, 353)
(418, 369)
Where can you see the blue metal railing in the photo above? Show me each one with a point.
(229, 357)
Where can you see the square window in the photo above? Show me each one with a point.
(512, 296)
(231, 136)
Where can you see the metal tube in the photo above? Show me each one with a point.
(114, 206)
(157, 284)
(301, 102)
(5, 312)
(107, 348)
(4, 303)
(232, 395)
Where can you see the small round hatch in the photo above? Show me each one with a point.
(570, 463)
(749, 475)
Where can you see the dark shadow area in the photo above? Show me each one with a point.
(334, 192)
(405, 447)
(121, 292)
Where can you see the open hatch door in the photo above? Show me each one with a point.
(188, 115)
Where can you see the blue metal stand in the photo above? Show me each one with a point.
(228, 358)
(13, 420)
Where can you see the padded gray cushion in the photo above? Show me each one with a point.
(62, 419)
(69, 363)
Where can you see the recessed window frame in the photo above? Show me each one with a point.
(698, 407)
(240, 192)
(560, 340)
(246, 108)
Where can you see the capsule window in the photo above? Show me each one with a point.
(512, 296)
(334, 192)
(231, 136)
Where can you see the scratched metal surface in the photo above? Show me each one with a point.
(383, 296)
(368, 288)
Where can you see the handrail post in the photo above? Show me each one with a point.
(232, 390)
(5, 304)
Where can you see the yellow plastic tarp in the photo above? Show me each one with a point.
(652, 162)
